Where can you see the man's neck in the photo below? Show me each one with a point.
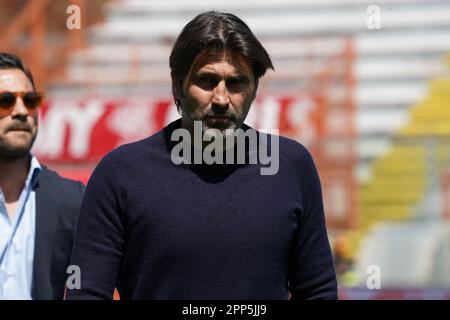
(13, 173)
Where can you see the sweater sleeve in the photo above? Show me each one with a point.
(312, 273)
(99, 237)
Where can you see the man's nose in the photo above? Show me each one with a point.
(19, 108)
(220, 95)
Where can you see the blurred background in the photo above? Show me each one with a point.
(365, 85)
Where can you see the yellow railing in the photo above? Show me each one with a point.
(415, 163)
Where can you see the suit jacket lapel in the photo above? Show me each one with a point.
(44, 236)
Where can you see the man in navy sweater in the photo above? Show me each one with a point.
(156, 223)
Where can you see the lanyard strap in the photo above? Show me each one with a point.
(19, 218)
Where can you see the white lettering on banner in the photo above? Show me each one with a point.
(269, 114)
(80, 120)
(51, 136)
(133, 121)
(300, 113)
(82, 127)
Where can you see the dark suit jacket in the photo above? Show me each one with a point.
(58, 203)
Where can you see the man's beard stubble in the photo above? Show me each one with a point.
(7, 152)
(11, 152)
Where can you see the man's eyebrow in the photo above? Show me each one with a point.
(240, 77)
(205, 73)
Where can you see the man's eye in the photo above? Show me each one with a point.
(236, 84)
(206, 83)
(206, 80)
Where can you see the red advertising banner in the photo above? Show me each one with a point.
(74, 130)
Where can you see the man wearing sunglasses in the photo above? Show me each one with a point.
(38, 208)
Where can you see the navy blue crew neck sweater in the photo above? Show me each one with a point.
(156, 230)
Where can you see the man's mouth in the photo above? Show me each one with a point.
(20, 129)
(218, 121)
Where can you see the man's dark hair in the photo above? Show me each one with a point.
(11, 61)
(220, 32)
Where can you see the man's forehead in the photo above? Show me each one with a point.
(205, 61)
(14, 80)
(221, 67)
